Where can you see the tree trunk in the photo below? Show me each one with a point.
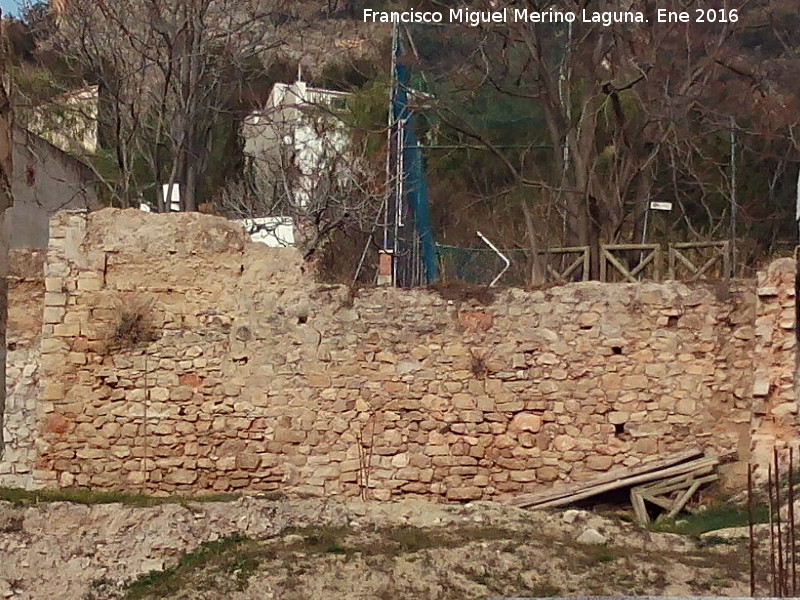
(538, 273)
(643, 189)
(190, 178)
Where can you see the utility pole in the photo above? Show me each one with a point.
(6, 199)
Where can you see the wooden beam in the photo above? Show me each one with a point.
(675, 483)
(613, 475)
(593, 490)
(665, 503)
(683, 499)
(639, 508)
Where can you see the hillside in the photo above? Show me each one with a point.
(537, 134)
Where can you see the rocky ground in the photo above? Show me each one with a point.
(257, 548)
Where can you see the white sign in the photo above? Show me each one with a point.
(173, 200)
(661, 205)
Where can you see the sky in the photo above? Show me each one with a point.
(10, 7)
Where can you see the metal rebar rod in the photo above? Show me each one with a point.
(781, 565)
(771, 533)
(792, 544)
(750, 530)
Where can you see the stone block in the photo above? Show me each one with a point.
(547, 473)
(89, 282)
(56, 299)
(464, 493)
(524, 476)
(525, 422)
(53, 315)
(618, 417)
(248, 462)
(599, 462)
(319, 380)
(761, 386)
(181, 477)
(288, 436)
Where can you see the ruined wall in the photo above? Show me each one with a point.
(178, 357)
(774, 397)
(25, 294)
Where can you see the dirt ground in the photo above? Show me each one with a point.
(252, 549)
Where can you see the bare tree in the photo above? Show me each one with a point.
(167, 70)
(308, 164)
(619, 104)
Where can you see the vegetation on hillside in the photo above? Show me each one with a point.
(539, 135)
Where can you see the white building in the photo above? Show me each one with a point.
(69, 121)
(296, 141)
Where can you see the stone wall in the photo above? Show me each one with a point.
(177, 357)
(26, 295)
(774, 405)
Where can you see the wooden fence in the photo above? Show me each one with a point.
(622, 263)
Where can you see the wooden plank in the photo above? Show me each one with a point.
(699, 244)
(683, 499)
(664, 503)
(708, 264)
(657, 266)
(680, 502)
(624, 482)
(646, 493)
(613, 247)
(586, 261)
(689, 264)
(620, 267)
(571, 488)
(675, 483)
(565, 250)
(642, 264)
(573, 267)
(610, 487)
(603, 265)
(666, 486)
(726, 260)
(680, 481)
(639, 508)
(671, 261)
(554, 272)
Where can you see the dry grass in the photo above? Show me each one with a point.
(134, 326)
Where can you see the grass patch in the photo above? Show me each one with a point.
(715, 540)
(720, 516)
(394, 541)
(409, 540)
(220, 554)
(19, 497)
(135, 324)
(239, 557)
(320, 540)
(598, 554)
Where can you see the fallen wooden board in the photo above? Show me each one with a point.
(673, 506)
(673, 483)
(592, 489)
(684, 498)
(675, 470)
(536, 498)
